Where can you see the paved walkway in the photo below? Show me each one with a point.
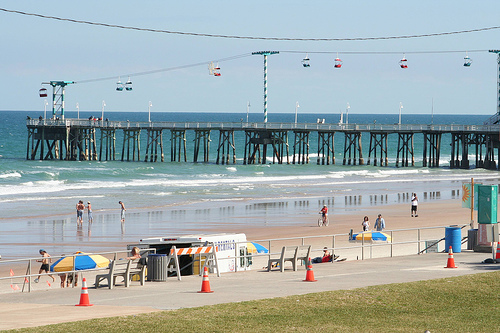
(57, 305)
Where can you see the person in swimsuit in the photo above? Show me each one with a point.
(80, 207)
(122, 214)
(45, 265)
(89, 211)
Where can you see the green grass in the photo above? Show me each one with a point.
(463, 304)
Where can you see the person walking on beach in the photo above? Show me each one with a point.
(123, 211)
(89, 211)
(324, 213)
(366, 224)
(379, 223)
(80, 207)
(45, 265)
(414, 205)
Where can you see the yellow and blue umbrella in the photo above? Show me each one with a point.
(256, 248)
(372, 236)
(81, 260)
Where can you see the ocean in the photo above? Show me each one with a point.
(38, 198)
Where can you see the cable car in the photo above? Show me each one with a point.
(217, 70)
(338, 62)
(119, 85)
(43, 92)
(467, 60)
(128, 85)
(403, 62)
(305, 61)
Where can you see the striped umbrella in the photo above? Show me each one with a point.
(81, 260)
(256, 248)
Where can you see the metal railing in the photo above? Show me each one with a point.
(113, 124)
(27, 277)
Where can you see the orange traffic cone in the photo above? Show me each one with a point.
(310, 273)
(205, 284)
(84, 296)
(451, 261)
(497, 256)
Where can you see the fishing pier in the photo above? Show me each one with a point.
(283, 143)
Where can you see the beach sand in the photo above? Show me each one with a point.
(438, 213)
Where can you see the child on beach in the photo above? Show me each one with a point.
(414, 205)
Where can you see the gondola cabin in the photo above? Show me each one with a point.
(403, 63)
(337, 63)
(43, 92)
(119, 85)
(128, 85)
(305, 62)
(467, 61)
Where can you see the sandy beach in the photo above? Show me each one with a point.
(437, 213)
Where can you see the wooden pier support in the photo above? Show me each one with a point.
(178, 145)
(201, 136)
(256, 142)
(489, 158)
(459, 143)
(82, 144)
(131, 137)
(326, 150)
(405, 150)
(226, 145)
(108, 142)
(352, 145)
(432, 145)
(301, 147)
(154, 140)
(378, 141)
(51, 142)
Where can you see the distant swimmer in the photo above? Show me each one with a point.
(123, 211)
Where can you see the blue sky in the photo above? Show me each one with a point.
(36, 50)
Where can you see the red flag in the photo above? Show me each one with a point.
(49, 284)
(26, 280)
(11, 272)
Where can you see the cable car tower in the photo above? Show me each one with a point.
(265, 54)
(498, 79)
(57, 96)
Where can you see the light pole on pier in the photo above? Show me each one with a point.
(102, 112)
(78, 110)
(265, 54)
(149, 111)
(296, 107)
(400, 107)
(347, 114)
(248, 109)
(45, 109)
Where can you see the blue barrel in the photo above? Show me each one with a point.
(453, 238)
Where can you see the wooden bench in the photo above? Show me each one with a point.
(292, 254)
(117, 268)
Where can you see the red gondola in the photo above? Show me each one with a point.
(338, 62)
(43, 92)
(403, 62)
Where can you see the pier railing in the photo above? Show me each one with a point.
(415, 128)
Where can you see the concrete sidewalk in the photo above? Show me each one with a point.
(57, 305)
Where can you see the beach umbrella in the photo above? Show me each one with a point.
(82, 261)
(256, 248)
(372, 236)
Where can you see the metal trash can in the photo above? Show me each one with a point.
(453, 238)
(471, 239)
(157, 267)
